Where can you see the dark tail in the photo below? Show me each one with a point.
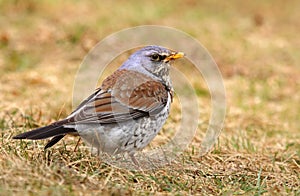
(55, 130)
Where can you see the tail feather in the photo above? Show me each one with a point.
(45, 132)
(55, 130)
(54, 140)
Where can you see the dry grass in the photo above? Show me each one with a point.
(256, 46)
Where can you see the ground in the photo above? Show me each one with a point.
(256, 46)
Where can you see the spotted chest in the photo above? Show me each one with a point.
(147, 129)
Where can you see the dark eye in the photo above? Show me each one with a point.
(157, 57)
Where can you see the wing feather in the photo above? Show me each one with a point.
(123, 96)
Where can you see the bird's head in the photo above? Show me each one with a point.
(153, 61)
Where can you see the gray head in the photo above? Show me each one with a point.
(153, 61)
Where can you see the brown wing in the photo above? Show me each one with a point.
(125, 95)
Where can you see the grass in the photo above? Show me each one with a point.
(42, 44)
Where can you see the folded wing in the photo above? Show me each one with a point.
(123, 96)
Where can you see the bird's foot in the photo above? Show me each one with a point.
(135, 161)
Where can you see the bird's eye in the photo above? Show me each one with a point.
(155, 57)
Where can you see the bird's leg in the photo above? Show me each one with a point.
(75, 149)
(136, 163)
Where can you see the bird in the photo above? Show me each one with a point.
(126, 112)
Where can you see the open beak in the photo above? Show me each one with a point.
(175, 55)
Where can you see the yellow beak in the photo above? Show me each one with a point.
(175, 55)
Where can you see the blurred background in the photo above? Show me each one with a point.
(255, 44)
